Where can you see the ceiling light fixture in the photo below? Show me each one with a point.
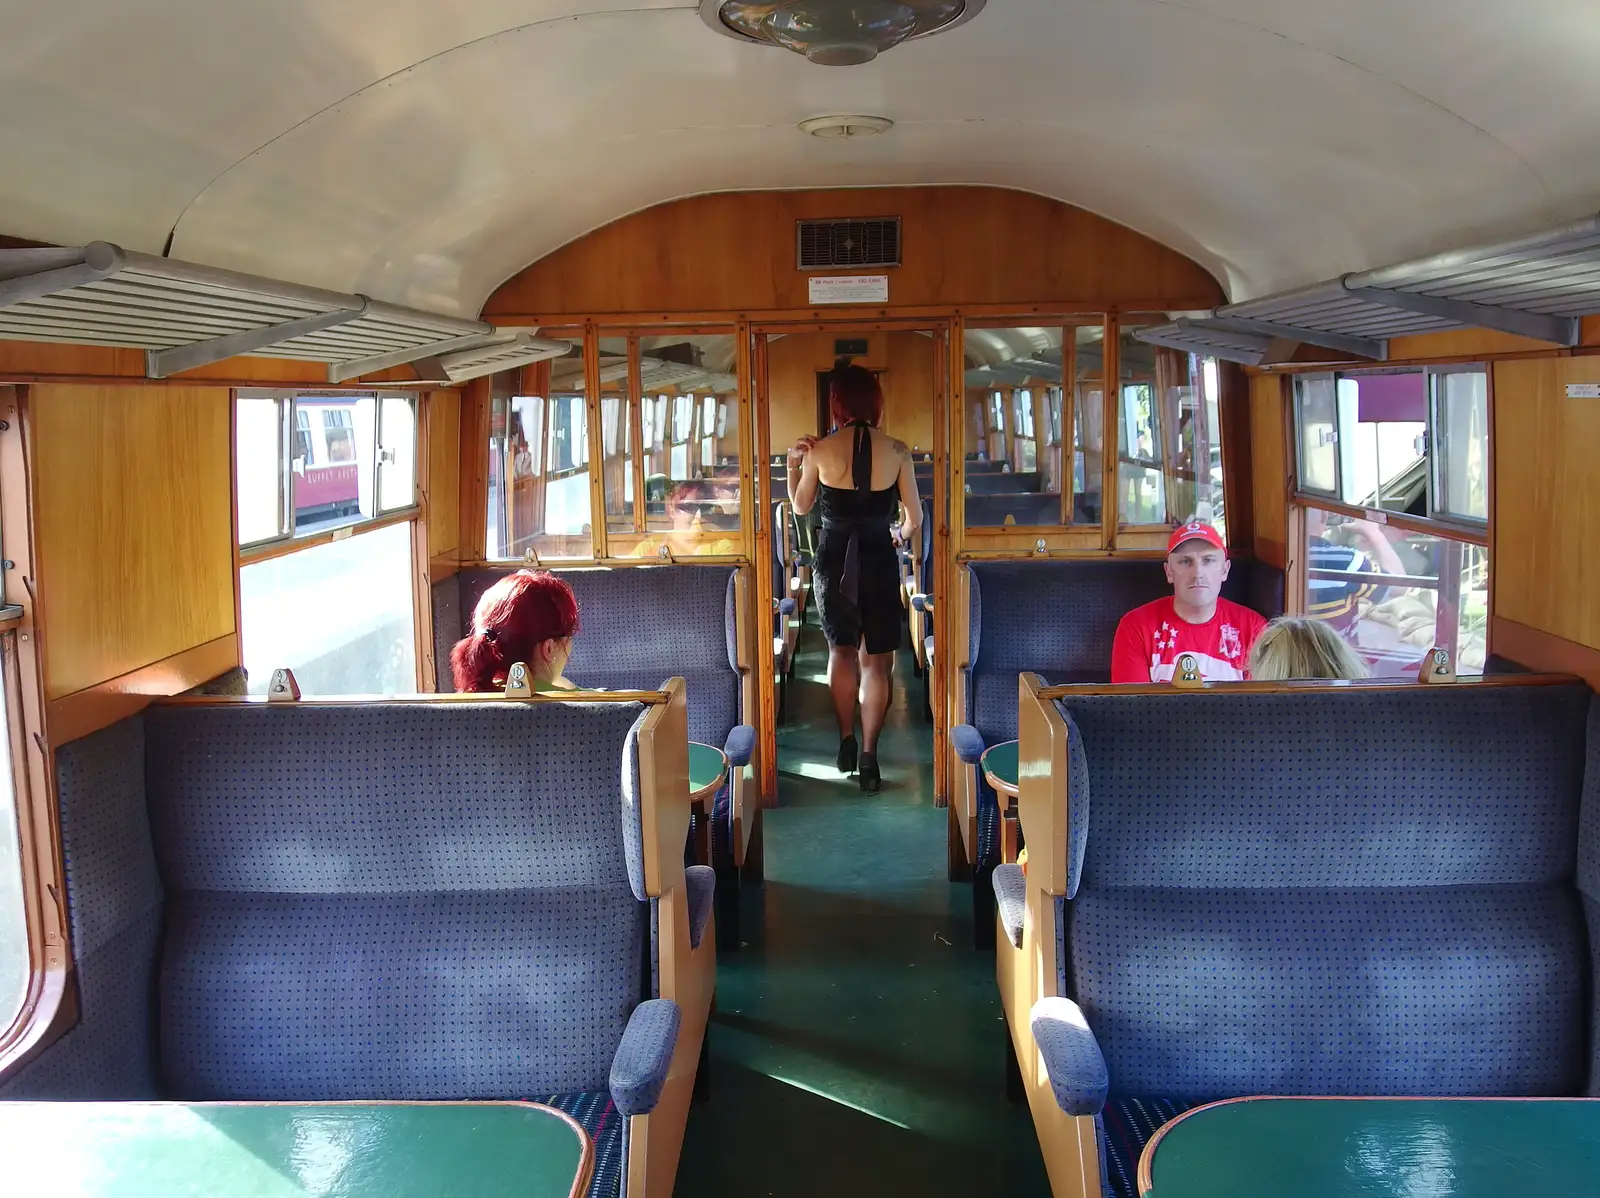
(846, 126)
(836, 33)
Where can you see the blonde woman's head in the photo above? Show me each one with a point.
(1300, 647)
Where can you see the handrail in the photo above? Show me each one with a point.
(1312, 685)
(648, 698)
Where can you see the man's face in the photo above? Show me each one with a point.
(1196, 569)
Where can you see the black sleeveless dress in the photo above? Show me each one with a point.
(856, 577)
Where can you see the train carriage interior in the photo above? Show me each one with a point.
(324, 328)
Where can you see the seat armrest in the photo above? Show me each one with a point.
(700, 884)
(639, 1067)
(1071, 1055)
(967, 741)
(1010, 899)
(786, 607)
(741, 743)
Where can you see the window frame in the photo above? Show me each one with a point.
(1451, 526)
(289, 430)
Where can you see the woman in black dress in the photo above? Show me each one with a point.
(856, 477)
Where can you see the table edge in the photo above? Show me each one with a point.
(1144, 1178)
(710, 788)
(999, 784)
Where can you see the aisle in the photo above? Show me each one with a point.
(857, 1043)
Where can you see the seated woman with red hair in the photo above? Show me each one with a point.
(531, 617)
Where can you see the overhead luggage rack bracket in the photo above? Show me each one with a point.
(54, 270)
(159, 363)
(1561, 330)
(1361, 347)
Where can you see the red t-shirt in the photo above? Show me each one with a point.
(1150, 639)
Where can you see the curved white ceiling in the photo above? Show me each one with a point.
(422, 152)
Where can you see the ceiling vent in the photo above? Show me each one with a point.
(829, 244)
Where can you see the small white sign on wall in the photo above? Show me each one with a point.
(848, 289)
(1583, 390)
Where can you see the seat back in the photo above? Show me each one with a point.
(1057, 618)
(640, 624)
(1332, 891)
(1018, 483)
(395, 900)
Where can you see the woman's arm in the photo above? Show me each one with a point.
(910, 500)
(804, 493)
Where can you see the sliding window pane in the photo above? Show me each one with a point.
(1317, 428)
(690, 422)
(1461, 450)
(616, 442)
(397, 453)
(335, 452)
(258, 462)
(338, 614)
(1028, 453)
(1169, 436)
(544, 460)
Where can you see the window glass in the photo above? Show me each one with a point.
(397, 456)
(333, 479)
(338, 614)
(616, 424)
(1461, 443)
(1033, 445)
(1169, 437)
(539, 449)
(690, 420)
(1382, 441)
(259, 469)
(1394, 595)
(1317, 422)
(15, 968)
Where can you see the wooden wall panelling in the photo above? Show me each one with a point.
(961, 246)
(133, 507)
(905, 357)
(1547, 500)
(1270, 467)
(443, 493)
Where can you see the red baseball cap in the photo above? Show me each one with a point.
(1196, 530)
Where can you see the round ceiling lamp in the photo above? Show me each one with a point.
(836, 33)
(846, 126)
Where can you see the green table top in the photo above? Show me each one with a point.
(285, 1150)
(999, 764)
(1360, 1147)
(707, 765)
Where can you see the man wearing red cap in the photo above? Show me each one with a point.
(1196, 619)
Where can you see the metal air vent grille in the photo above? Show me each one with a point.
(827, 244)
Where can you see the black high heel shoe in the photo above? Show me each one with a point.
(869, 777)
(847, 755)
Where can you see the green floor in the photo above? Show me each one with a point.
(857, 1046)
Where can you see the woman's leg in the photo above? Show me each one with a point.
(877, 670)
(843, 683)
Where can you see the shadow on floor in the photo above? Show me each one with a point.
(858, 1046)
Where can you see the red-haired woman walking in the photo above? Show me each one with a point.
(855, 477)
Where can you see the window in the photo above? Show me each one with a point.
(539, 500)
(1169, 436)
(1393, 484)
(688, 428)
(1414, 442)
(307, 463)
(15, 966)
(1033, 419)
(338, 614)
(616, 411)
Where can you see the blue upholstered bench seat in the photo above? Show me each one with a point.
(599, 1117)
